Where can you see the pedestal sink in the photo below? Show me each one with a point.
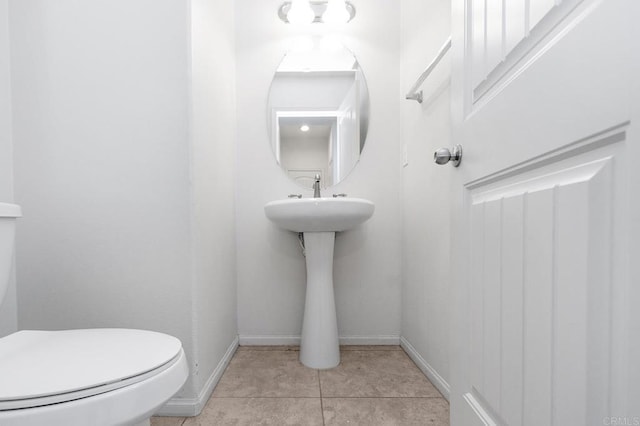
(319, 219)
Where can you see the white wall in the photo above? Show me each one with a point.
(124, 161)
(303, 152)
(213, 196)
(309, 91)
(271, 271)
(8, 312)
(101, 164)
(425, 186)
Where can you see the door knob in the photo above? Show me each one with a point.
(443, 156)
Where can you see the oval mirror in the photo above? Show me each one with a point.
(318, 114)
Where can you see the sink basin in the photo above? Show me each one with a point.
(319, 214)
(319, 219)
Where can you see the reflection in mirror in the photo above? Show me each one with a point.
(318, 114)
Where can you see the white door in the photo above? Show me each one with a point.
(545, 258)
(348, 132)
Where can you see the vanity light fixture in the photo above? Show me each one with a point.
(300, 12)
(336, 13)
(316, 11)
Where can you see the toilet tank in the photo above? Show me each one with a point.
(8, 215)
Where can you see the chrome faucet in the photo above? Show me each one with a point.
(316, 187)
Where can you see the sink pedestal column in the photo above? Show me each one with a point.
(319, 347)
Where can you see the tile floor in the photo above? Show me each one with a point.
(373, 385)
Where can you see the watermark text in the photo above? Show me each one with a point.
(621, 421)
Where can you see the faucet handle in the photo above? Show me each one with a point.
(294, 196)
(339, 195)
(317, 177)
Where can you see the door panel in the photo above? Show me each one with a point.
(502, 33)
(541, 212)
(539, 283)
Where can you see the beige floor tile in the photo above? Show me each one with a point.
(375, 374)
(386, 411)
(167, 421)
(259, 411)
(370, 348)
(267, 374)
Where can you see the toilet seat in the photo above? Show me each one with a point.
(40, 368)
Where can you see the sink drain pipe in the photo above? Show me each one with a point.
(301, 241)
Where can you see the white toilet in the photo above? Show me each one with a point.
(89, 377)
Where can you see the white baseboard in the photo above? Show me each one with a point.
(278, 340)
(428, 371)
(189, 407)
(393, 340)
(266, 340)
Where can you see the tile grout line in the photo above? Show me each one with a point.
(267, 397)
(384, 397)
(321, 403)
(330, 397)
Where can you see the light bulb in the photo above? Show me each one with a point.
(304, 128)
(336, 13)
(300, 12)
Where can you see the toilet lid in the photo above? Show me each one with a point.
(45, 364)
